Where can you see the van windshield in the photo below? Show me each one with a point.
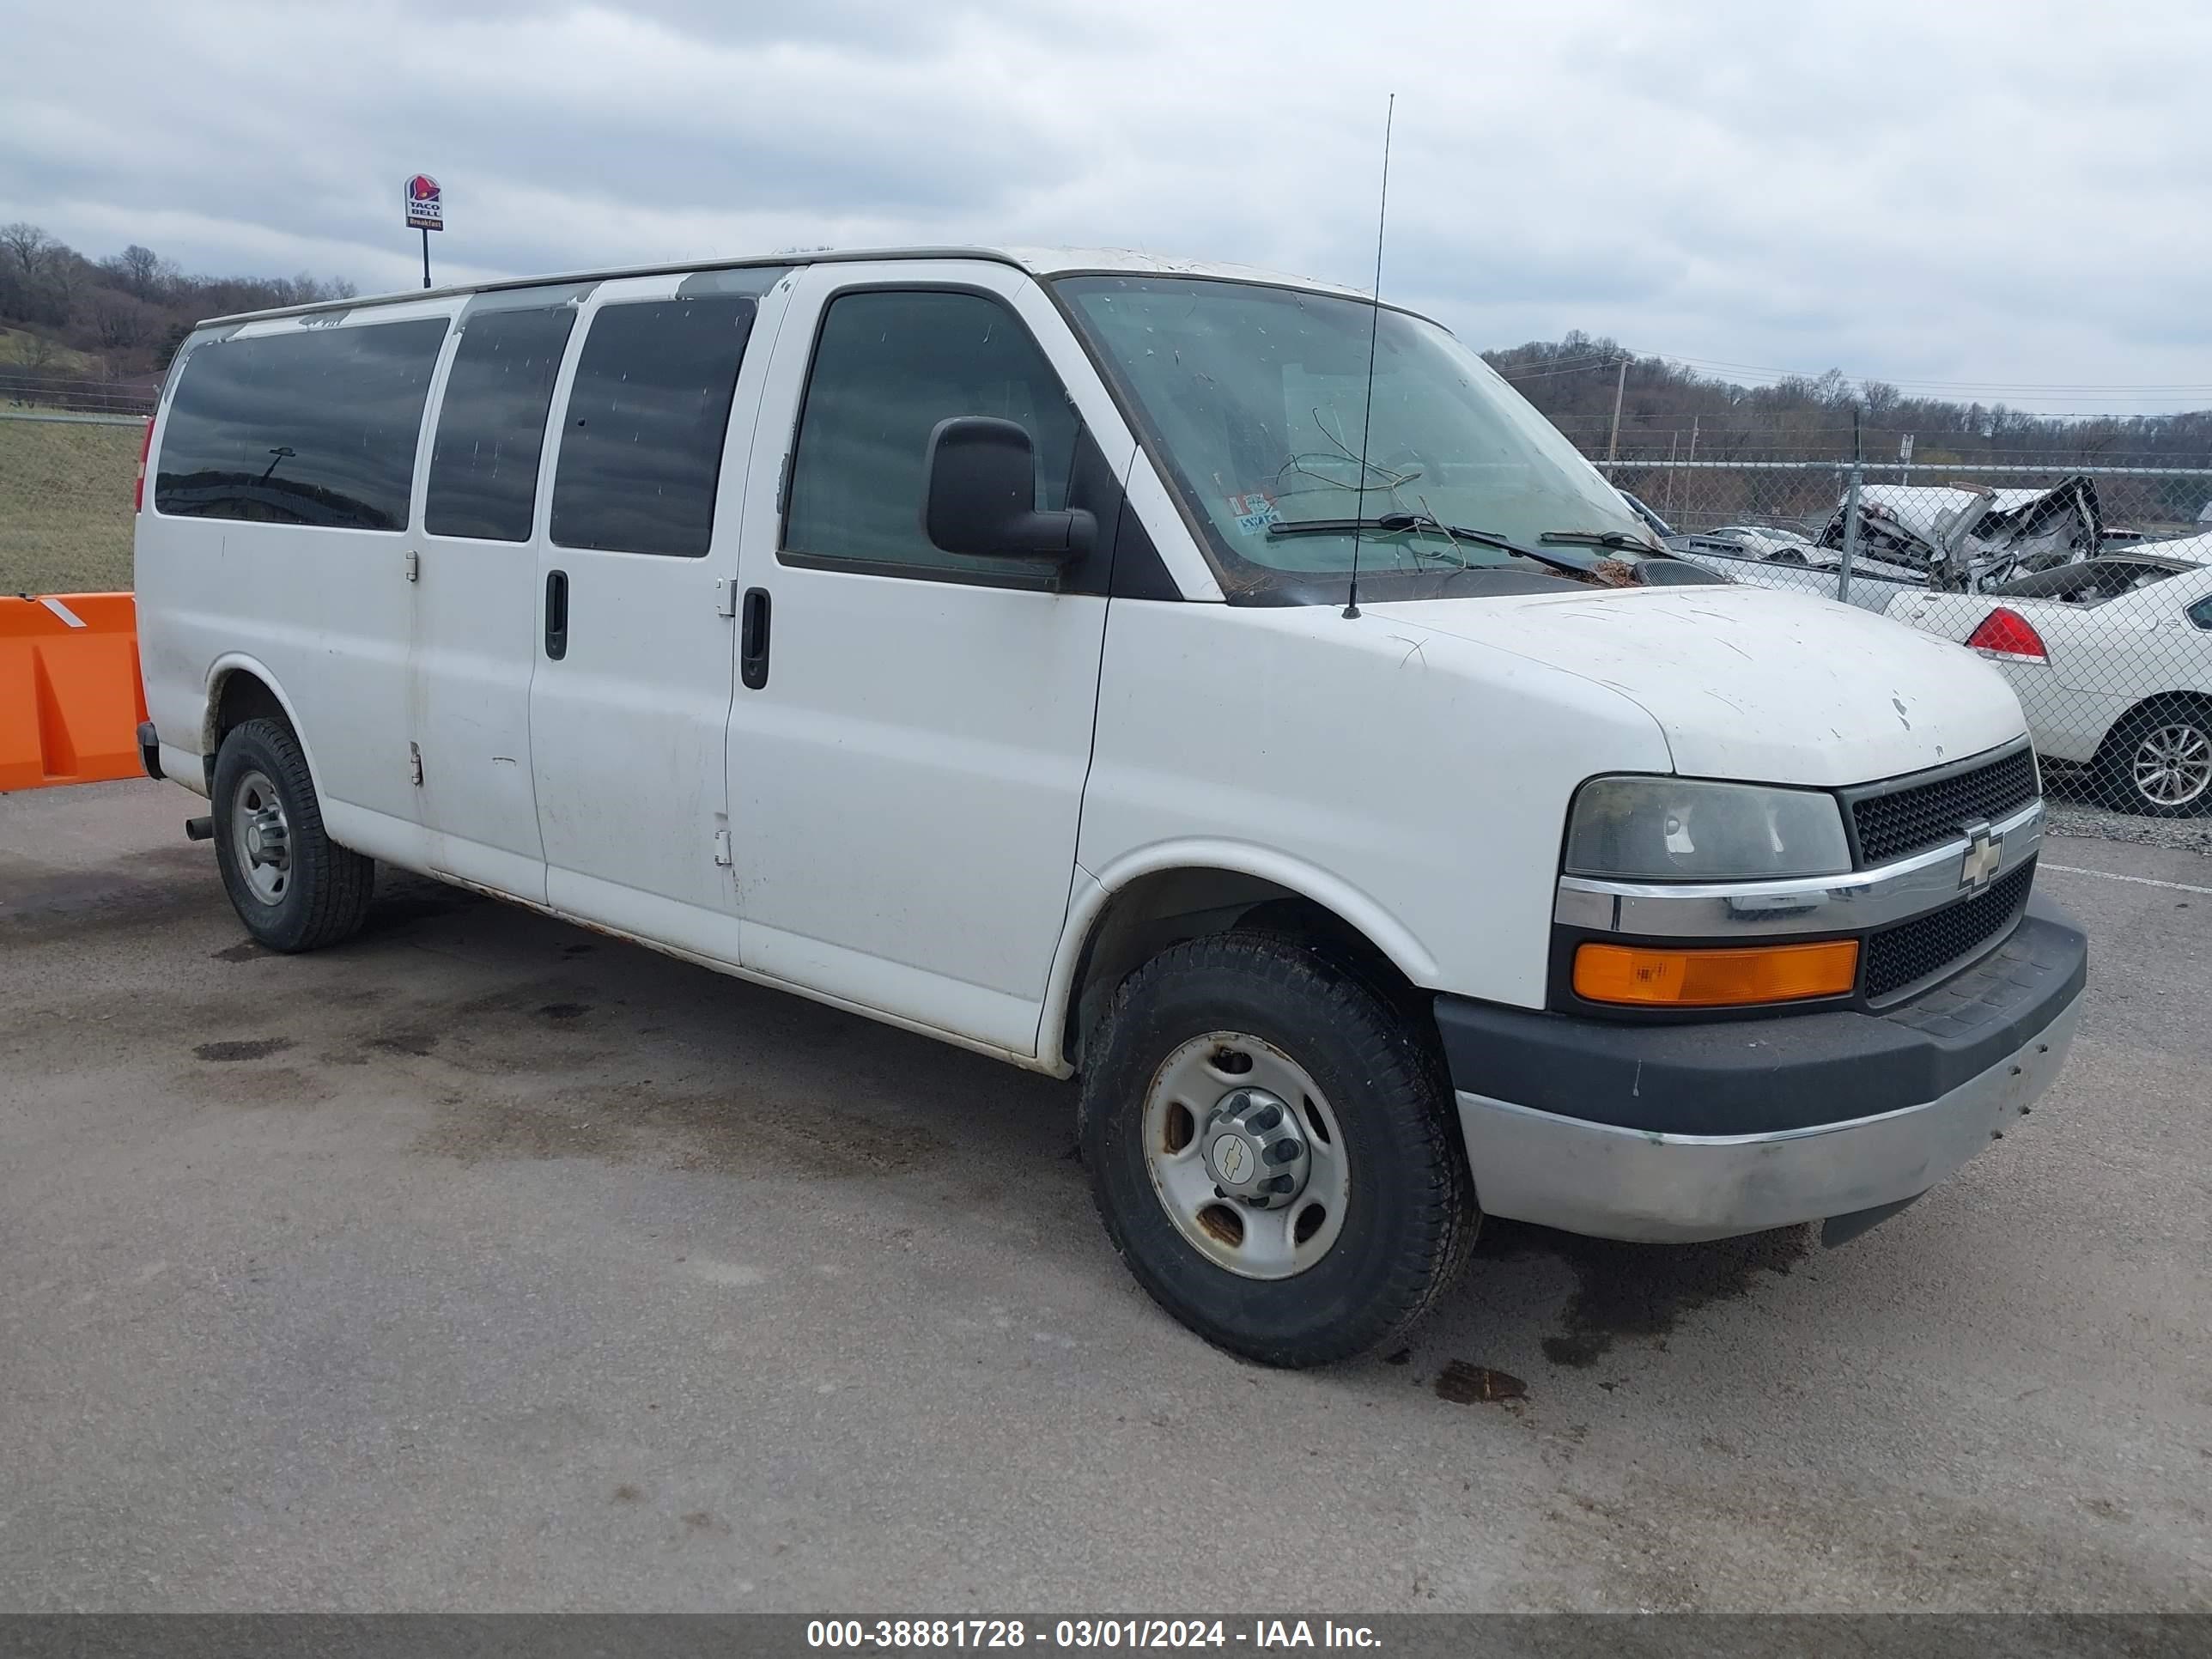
(1257, 398)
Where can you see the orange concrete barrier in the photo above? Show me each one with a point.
(71, 697)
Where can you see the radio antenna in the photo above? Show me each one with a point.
(1374, 326)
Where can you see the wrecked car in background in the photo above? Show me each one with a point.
(1960, 535)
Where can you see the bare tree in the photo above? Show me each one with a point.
(122, 322)
(27, 244)
(139, 269)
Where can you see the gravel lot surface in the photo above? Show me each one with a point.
(487, 1263)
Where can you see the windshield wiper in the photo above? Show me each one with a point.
(1611, 539)
(1398, 522)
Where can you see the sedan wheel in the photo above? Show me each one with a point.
(2158, 762)
(2172, 765)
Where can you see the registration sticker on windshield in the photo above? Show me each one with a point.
(1253, 512)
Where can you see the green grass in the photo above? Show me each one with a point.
(65, 505)
(15, 351)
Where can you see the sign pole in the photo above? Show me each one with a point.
(426, 256)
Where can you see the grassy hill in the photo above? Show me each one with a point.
(19, 347)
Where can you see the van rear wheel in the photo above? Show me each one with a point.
(1272, 1151)
(293, 887)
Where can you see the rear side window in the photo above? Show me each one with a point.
(642, 438)
(889, 365)
(491, 424)
(312, 426)
(2201, 613)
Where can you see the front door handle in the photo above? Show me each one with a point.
(557, 614)
(752, 640)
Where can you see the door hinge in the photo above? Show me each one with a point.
(726, 597)
(722, 848)
(414, 565)
(414, 765)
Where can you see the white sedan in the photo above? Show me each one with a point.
(2112, 659)
(1760, 541)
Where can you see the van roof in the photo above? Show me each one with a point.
(1037, 261)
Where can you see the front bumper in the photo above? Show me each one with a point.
(1706, 1131)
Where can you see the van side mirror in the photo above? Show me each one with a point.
(982, 495)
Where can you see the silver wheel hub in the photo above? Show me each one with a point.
(1255, 1149)
(1246, 1156)
(2173, 764)
(261, 836)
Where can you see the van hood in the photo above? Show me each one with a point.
(1772, 688)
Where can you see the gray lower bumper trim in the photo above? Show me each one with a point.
(1611, 1182)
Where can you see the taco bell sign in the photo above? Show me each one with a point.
(426, 204)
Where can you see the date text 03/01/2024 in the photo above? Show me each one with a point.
(1259, 1635)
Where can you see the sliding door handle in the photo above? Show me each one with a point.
(557, 614)
(752, 640)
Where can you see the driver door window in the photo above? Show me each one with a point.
(889, 365)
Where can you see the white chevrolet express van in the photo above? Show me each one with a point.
(963, 638)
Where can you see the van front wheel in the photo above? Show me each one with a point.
(1271, 1149)
(293, 887)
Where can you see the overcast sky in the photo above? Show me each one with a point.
(2010, 202)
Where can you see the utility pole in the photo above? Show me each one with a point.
(1620, 386)
(1850, 513)
(1670, 464)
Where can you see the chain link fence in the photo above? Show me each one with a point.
(66, 489)
(2088, 587)
(37, 389)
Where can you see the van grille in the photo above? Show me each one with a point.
(1912, 819)
(1906, 955)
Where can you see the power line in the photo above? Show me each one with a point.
(1553, 374)
(1565, 365)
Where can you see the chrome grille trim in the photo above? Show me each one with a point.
(1857, 903)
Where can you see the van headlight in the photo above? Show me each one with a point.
(1648, 829)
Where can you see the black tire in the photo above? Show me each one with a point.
(326, 890)
(2113, 771)
(1410, 1219)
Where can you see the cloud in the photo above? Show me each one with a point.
(2009, 194)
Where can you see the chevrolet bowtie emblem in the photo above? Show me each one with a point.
(1985, 851)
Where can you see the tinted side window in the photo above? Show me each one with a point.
(887, 368)
(491, 424)
(2201, 613)
(316, 427)
(642, 442)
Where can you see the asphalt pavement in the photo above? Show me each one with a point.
(486, 1262)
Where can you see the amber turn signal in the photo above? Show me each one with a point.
(1651, 977)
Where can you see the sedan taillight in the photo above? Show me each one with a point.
(2008, 636)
